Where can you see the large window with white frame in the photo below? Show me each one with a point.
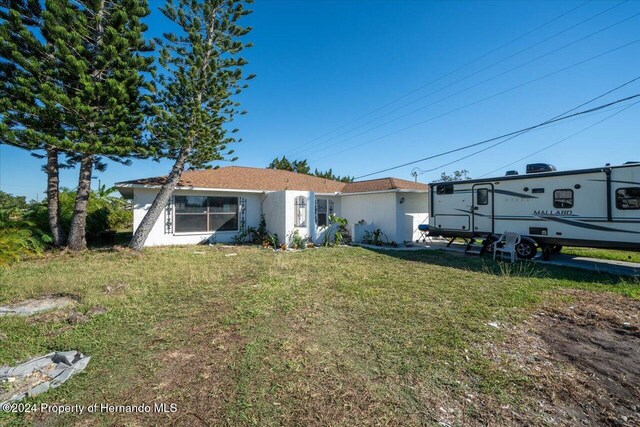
(200, 214)
(300, 211)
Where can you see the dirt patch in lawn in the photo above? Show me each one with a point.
(195, 374)
(583, 360)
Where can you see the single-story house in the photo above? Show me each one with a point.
(216, 204)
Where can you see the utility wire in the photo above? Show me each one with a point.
(325, 147)
(561, 140)
(552, 120)
(562, 15)
(600, 107)
(304, 148)
(483, 99)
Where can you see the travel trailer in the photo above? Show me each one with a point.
(597, 208)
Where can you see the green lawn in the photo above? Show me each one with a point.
(629, 256)
(331, 336)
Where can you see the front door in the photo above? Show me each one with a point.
(483, 208)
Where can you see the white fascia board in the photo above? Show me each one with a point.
(227, 190)
(385, 191)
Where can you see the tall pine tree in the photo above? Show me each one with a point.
(202, 73)
(100, 50)
(27, 71)
(73, 77)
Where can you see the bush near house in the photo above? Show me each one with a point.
(105, 212)
(19, 237)
(24, 227)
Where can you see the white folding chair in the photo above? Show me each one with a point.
(510, 240)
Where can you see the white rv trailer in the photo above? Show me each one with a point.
(597, 207)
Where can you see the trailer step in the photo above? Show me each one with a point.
(474, 250)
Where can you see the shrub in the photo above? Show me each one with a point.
(104, 212)
(19, 238)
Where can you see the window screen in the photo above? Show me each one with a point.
(482, 196)
(195, 214)
(444, 189)
(322, 212)
(628, 198)
(563, 199)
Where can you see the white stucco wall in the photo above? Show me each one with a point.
(289, 217)
(398, 221)
(378, 209)
(143, 197)
(412, 212)
(273, 208)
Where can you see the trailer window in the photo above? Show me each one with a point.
(483, 196)
(563, 199)
(444, 189)
(628, 198)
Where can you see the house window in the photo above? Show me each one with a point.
(444, 189)
(483, 196)
(322, 212)
(300, 211)
(563, 199)
(198, 214)
(628, 198)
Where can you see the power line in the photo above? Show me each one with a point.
(451, 72)
(552, 120)
(561, 140)
(325, 147)
(600, 107)
(304, 148)
(483, 99)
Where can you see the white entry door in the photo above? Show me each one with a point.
(483, 208)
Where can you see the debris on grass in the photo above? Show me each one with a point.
(231, 254)
(33, 306)
(110, 289)
(38, 375)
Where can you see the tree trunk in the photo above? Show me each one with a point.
(53, 197)
(77, 233)
(160, 202)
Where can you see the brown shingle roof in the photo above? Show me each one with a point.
(246, 178)
(382, 184)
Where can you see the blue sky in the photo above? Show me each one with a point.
(360, 86)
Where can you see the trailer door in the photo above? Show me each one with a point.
(483, 208)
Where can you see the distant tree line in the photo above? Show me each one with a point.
(459, 175)
(301, 166)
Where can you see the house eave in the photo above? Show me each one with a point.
(128, 189)
(394, 190)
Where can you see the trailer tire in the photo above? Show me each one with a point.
(526, 249)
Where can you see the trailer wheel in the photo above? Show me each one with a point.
(526, 249)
